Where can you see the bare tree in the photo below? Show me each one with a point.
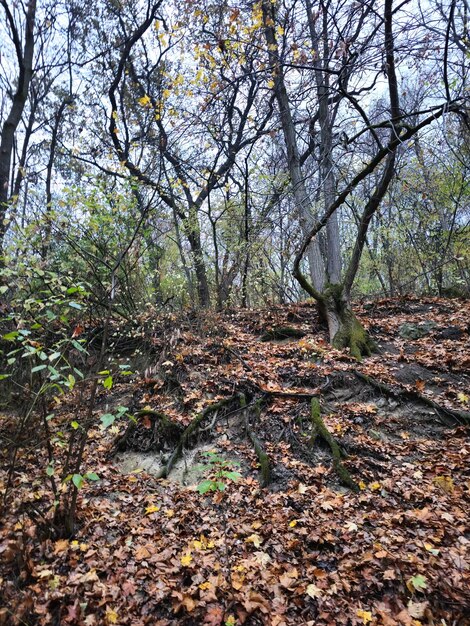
(386, 134)
(21, 27)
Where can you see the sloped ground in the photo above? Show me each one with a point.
(303, 550)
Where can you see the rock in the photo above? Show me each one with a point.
(416, 331)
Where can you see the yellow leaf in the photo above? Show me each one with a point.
(270, 84)
(186, 559)
(375, 486)
(111, 616)
(293, 524)
(362, 485)
(254, 539)
(462, 398)
(280, 31)
(166, 93)
(366, 616)
(169, 513)
(230, 621)
(145, 101)
(205, 586)
(151, 509)
(430, 548)
(445, 483)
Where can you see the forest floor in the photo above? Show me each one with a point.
(383, 542)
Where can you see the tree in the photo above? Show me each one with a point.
(21, 30)
(333, 293)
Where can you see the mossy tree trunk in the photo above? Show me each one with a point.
(345, 330)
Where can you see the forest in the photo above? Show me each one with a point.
(234, 312)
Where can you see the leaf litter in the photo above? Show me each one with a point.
(305, 549)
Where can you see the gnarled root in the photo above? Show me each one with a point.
(188, 432)
(263, 459)
(320, 430)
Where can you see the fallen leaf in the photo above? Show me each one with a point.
(151, 509)
(255, 539)
(186, 559)
(365, 615)
(141, 553)
(417, 609)
(416, 583)
(111, 616)
(313, 591)
(445, 483)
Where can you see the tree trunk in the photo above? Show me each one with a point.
(25, 61)
(194, 238)
(345, 330)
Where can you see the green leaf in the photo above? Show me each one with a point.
(11, 336)
(91, 476)
(78, 346)
(50, 470)
(77, 480)
(417, 582)
(206, 485)
(53, 371)
(108, 382)
(75, 425)
(232, 475)
(3, 376)
(38, 368)
(4, 289)
(75, 305)
(107, 419)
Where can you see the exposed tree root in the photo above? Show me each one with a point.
(263, 459)
(282, 332)
(320, 430)
(189, 431)
(449, 417)
(162, 427)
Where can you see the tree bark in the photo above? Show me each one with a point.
(25, 65)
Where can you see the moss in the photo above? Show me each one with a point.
(282, 332)
(263, 459)
(354, 336)
(315, 416)
(324, 433)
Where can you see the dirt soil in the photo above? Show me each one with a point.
(305, 549)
